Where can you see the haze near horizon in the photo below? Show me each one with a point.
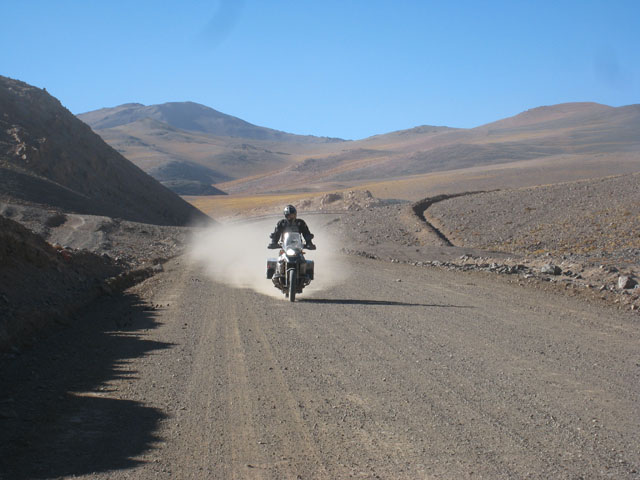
(348, 70)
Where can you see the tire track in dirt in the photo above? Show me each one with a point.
(197, 429)
(439, 375)
(420, 207)
(296, 448)
(246, 458)
(456, 376)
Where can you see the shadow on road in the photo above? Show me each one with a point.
(349, 301)
(58, 416)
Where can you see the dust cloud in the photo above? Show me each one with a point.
(236, 254)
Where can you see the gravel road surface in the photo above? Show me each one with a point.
(397, 372)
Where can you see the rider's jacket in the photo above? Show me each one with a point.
(296, 225)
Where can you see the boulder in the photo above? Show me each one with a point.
(551, 269)
(625, 282)
(330, 198)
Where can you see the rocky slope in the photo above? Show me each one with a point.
(594, 220)
(582, 236)
(63, 279)
(53, 263)
(49, 157)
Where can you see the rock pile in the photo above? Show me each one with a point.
(351, 200)
(623, 290)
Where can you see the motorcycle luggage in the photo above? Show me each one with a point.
(271, 267)
(309, 270)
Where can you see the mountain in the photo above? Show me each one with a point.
(576, 133)
(49, 157)
(561, 115)
(192, 117)
(187, 145)
(176, 149)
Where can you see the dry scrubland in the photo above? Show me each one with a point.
(528, 173)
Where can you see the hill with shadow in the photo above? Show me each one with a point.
(176, 140)
(50, 158)
(572, 134)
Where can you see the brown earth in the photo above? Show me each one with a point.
(70, 260)
(50, 158)
(409, 356)
(394, 372)
(63, 280)
(597, 220)
(591, 229)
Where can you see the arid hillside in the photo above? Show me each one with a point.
(63, 279)
(596, 220)
(184, 142)
(576, 136)
(49, 157)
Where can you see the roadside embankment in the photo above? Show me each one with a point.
(53, 264)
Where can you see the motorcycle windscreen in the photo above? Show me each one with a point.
(292, 240)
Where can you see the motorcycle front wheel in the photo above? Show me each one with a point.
(292, 285)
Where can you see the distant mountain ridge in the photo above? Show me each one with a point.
(188, 147)
(49, 157)
(173, 143)
(586, 132)
(193, 117)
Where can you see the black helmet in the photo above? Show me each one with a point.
(288, 210)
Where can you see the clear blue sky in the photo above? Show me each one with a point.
(343, 68)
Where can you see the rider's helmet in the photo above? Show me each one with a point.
(289, 210)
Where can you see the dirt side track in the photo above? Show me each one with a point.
(440, 375)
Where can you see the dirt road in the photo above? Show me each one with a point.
(399, 372)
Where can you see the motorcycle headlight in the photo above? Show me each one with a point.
(291, 252)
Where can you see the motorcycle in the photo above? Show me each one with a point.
(290, 272)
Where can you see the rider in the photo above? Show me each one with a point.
(290, 222)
